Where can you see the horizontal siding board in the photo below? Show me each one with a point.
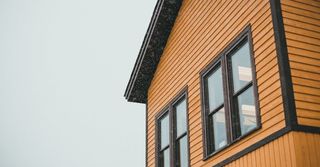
(264, 34)
(305, 67)
(306, 60)
(272, 88)
(266, 117)
(263, 53)
(306, 75)
(301, 12)
(299, 24)
(303, 4)
(261, 77)
(196, 145)
(303, 52)
(302, 31)
(266, 100)
(304, 45)
(262, 15)
(307, 105)
(268, 63)
(303, 113)
(307, 97)
(306, 90)
(309, 121)
(297, 17)
(272, 104)
(314, 3)
(272, 80)
(303, 38)
(197, 20)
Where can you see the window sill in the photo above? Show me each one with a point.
(208, 156)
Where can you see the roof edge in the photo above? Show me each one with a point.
(154, 42)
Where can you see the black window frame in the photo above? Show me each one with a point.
(165, 113)
(170, 111)
(223, 60)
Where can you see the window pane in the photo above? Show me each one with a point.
(241, 67)
(247, 111)
(181, 117)
(219, 129)
(183, 152)
(164, 124)
(165, 158)
(215, 89)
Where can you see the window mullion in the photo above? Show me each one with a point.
(207, 127)
(234, 113)
(227, 104)
(172, 135)
(211, 145)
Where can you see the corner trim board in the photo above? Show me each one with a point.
(284, 65)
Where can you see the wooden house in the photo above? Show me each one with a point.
(230, 83)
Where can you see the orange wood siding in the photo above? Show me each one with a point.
(294, 149)
(307, 149)
(302, 26)
(201, 31)
(279, 152)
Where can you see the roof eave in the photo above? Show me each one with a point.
(154, 42)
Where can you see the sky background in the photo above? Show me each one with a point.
(64, 66)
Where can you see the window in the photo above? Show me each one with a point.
(172, 135)
(164, 152)
(230, 109)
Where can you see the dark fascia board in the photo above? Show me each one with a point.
(154, 42)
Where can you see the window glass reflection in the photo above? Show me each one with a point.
(166, 158)
(219, 129)
(241, 67)
(181, 118)
(183, 150)
(164, 124)
(215, 89)
(247, 111)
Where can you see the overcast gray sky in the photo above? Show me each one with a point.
(64, 66)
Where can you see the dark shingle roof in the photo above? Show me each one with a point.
(154, 42)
